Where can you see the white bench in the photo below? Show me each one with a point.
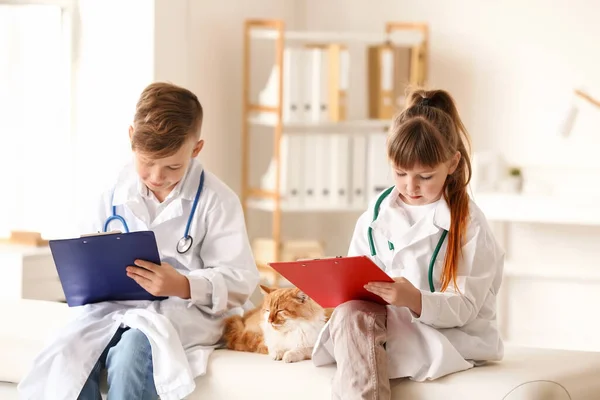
(524, 374)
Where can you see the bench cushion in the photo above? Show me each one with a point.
(525, 373)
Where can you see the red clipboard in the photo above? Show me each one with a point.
(333, 281)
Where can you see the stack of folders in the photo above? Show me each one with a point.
(322, 170)
(389, 72)
(315, 82)
(331, 170)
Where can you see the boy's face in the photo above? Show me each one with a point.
(161, 175)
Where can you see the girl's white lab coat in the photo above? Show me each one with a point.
(222, 275)
(455, 331)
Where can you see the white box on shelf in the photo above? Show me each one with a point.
(358, 171)
(339, 170)
(290, 178)
(309, 173)
(292, 85)
(379, 172)
(321, 153)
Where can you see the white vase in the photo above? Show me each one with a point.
(512, 184)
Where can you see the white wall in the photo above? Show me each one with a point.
(215, 74)
(511, 66)
(114, 63)
(172, 35)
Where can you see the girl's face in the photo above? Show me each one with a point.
(161, 175)
(424, 185)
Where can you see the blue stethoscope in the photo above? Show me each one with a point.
(391, 245)
(185, 243)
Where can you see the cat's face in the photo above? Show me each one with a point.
(282, 306)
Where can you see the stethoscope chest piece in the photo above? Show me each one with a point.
(184, 244)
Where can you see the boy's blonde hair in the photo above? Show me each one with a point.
(166, 116)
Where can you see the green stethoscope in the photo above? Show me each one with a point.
(391, 245)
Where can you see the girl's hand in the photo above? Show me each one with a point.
(159, 280)
(400, 293)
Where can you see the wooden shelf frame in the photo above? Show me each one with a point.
(275, 30)
(248, 107)
(419, 54)
(588, 98)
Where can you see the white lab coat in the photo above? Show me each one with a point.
(183, 333)
(454, 332)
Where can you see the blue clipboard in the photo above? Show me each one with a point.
(91, 269)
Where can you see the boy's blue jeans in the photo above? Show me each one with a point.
(128, 360)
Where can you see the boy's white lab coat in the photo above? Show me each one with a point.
(455, 331)
(222, 276)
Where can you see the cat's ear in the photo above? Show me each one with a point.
(265, 290)
(302, 296)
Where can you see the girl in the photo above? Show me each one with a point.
(436, 244)
(157, 348)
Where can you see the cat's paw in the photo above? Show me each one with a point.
(276, 355)
(262, 349)
(291, 356)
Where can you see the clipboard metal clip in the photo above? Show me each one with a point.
(101, 233)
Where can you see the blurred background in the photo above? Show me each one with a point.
(524, 76)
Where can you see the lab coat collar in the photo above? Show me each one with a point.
(441, 216)
(392, 222)
(129, 186)
(391, 219)
(130, 192)
(191, 181)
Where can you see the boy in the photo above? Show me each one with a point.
(157, 348)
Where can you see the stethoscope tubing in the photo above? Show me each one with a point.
(382, 196)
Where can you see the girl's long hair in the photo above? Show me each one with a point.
(429, 132)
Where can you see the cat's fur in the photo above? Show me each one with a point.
(285, 326)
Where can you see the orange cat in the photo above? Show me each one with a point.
(285, 326)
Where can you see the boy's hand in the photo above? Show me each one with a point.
(159, 280)
(400, 293)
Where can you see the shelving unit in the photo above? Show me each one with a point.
(409, 35)
(542, 209)
(506, 208)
